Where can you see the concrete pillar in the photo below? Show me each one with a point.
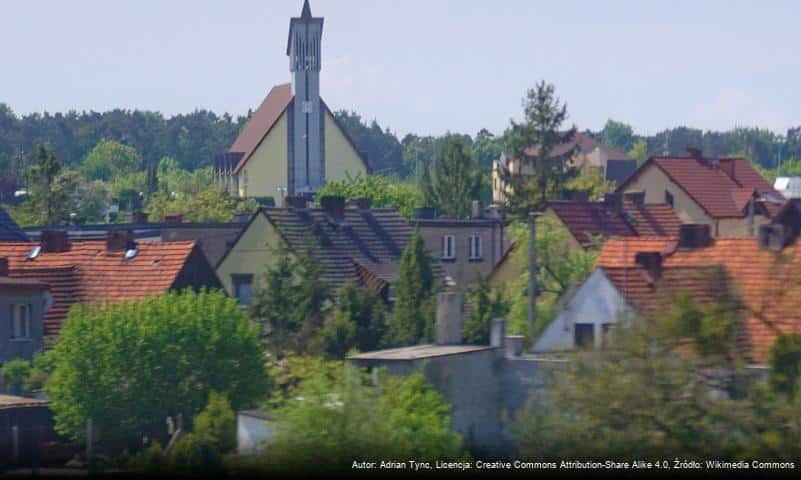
(497, 332)
(514, 345)
(449, 318)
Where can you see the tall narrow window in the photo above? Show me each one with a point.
(243, 288)
(584, 335)
(668, 198)
(20, 321)
(474, 243)
(448, 247)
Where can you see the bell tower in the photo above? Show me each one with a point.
(306, 169)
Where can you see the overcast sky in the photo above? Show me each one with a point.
(423, 66)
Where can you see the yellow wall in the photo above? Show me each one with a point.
(252, 253)
(654, 182)
(340, 156)
(573, 244)
(266, 168)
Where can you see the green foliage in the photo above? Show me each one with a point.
(382, 191)
(487, 305)
(110, 159)
(289, 372)
(51, 191)
(130, 365)
(15, 373)
(332, 421)
(217, 422)
(639, 151)
(356, 321)
(412, 319)
(290, 302)
(618, 135)
(541, 131)
(592, 184)
(453, 182)
(152, 459)
(41, 368)
(210, 205)
(384, 151)
(785, 364)
(710, 327)
(195, 454)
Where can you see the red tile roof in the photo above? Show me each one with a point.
(719, 186)
(261, 122)
(584, 143)
(765, 282)
(88, 272)
(588, 220)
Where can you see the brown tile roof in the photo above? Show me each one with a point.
(766, 283)
(719, 186)
(588, 220)
(261, 122)
(585, 144)
(88, 272)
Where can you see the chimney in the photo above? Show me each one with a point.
(3, 267)
(361, 203)
(651, 262)
(424, 212)
(139, 218)
(578, 196)
(514, 345)
(772, 237)
(334, 207)
(694, 235)
(613, 199)
(449, 318)
(119, 240)
(476, 210)
(295, 201)
(637, 198)
(54, 241)
(695, 153)
(174, 218)
(497, 332)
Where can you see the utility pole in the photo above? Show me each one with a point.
(532, 273)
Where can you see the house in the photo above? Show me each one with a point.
(757, 276)
(354, 244)
(23, 303)
(617, 215)
(468, 249)
(97, 271)
(725, 193)
(590, 156)
(789, 187)
(292, 144)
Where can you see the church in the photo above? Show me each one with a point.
(292, 144)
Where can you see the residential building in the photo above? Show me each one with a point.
(789, 187)
(727, 194)
(292, 144)
(25, 425)
(755, 276)
(590, 156)
(468, 249)
(97, 271)
(23, 303)
(355, 244)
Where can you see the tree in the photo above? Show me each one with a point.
(291, 302)
(356, 321)
(639, 151)
(618, 135)
(453, 183)
(412, 319)
(110, 159)
(532, 143)
(15, 374)
(130, 365)
(382, 147)
(330, 422)
(380, 190)
(785, 363)
(217, 422)
(487, 305)
(51, 190)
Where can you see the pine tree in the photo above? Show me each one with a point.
(413, 315)
(453, 180)
(486, 305)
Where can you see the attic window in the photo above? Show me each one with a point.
(34, 252)
(131, 253)
(668, 198)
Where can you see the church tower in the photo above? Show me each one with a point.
(306, 169)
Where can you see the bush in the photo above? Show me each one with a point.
(15, 373)
(217, 422)
(193, 453)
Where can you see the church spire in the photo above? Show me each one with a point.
(306, 12)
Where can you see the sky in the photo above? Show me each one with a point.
(420, 66)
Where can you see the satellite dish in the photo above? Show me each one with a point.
(34, 252)
(131, 253)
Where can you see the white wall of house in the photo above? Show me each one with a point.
(253, 430)
(596, 303)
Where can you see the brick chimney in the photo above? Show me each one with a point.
(295, 201)
(695, 153)
(3, 267)
(361, 203)
(651, 262)
(694, 235)
(476, 209)
(54, 241)
(334, 207)
(119, 240)
(174, 218)
(139, 218)
(449, 318)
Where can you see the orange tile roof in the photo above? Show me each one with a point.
(767, 283)
(88, 272)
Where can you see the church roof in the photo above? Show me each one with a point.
(266, 116)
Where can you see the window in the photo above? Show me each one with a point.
(20, 321)
(243, 288)
(448, 247)
(474, 244)
(668, 198)
(584, 335)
